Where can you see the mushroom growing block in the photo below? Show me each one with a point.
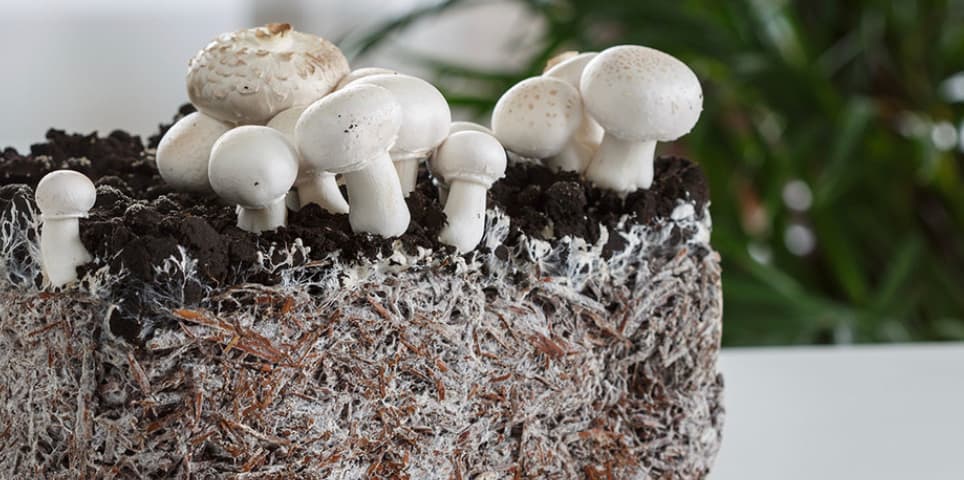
(183, 154)
(537, 117)
(253, 167)
(314, 186)
(469, 161)
(640, 96)
(584, 142)
(425, 122)
(249, 76)
(349, 132)
(63, 196)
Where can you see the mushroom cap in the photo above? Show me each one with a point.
(252, 166)
(638, 93)
(571, 67)
(347, 129)
(537, 116)
(65, 194)
(362, 73)
(425, 113)
(461, 126)
(470, 156)
(183, 153)
(248, 76)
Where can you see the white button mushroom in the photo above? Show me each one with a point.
(470, 162)
(425, 122)
(537, 116)
(183, 154)
(249, 76)
(349, 132)
(584, 142)
(362, 73)
(253, 167)
(640, 96)
(314, 186)
(455, 127)
(63, 196)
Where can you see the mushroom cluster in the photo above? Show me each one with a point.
(283, 122)
(601, 114)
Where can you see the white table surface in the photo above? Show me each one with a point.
(827, 413)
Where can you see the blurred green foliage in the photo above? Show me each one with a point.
(850, 98)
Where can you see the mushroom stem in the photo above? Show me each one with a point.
(622, 165)
(321, 188)
(406, 165)
(259, 220)
(375, 195)
(577, 154)
(465, 213)
(61, 250)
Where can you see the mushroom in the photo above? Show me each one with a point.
(469, 161)
(640, 96)
(253, 167)
(361, 73)
(537, 116)
(425, 122)
(455, 127)
(349, 132)
(314, 186)
(249, 76)
(63, 196)
(584, 142)
(183, 153)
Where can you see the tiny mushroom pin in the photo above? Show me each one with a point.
(63, 196)
(247, 77)
(425, 122)
(362, 73)
(537, 117)
(314, 186)
(349, 132)
(253, 167)
(183, 153)
(469, 161)
(584, 142)
(640, 96)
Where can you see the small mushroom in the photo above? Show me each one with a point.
(253, 167)
(584, 142)
(314, 186)
(469, 161)
(249, 76)
(362, 73)
(63, 196)
(183, 153)
(640, 96)
(425, 122)
(455, 127)
(349, 132)
(537, 116)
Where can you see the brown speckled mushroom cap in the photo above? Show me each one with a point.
(248, 76)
